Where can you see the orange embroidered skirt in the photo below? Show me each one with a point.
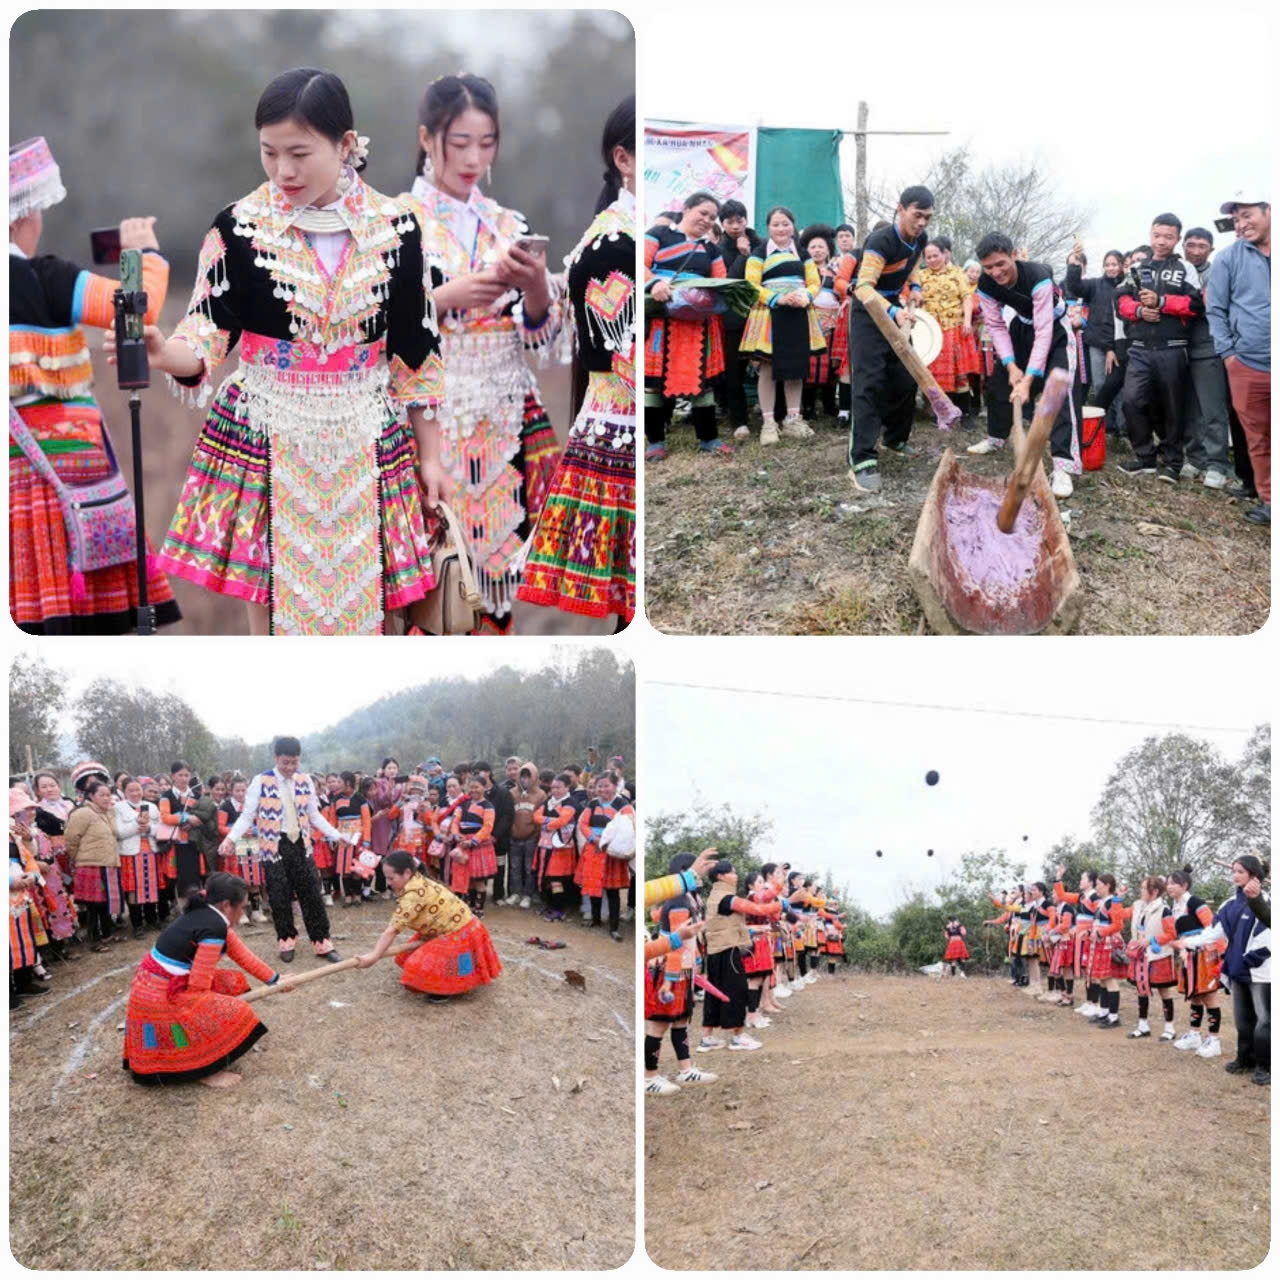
(956, 950)
(1199, 972)
(597, 872)
(956, 361)
(682, 356)
(176, 1034)
(452, 963)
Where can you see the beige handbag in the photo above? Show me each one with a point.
(454, 605)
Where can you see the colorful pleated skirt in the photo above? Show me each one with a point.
(453, 963)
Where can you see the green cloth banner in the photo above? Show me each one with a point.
(799, 168)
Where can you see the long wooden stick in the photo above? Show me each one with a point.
(944, 411)
(314, 975)
(1030, 449)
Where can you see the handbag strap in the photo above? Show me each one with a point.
(470, 588)
(21, 433)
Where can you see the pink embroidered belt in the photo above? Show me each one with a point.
(308, 362)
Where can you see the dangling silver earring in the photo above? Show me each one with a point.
(488, 176)
(344, 179)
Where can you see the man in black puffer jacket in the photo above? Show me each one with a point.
(737, 244)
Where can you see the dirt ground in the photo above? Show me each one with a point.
(908, 1123)
(373, 1129)
(776, 542)
(169, 431)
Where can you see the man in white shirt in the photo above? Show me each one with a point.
(281, 804)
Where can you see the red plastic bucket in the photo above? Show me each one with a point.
(1093, 438)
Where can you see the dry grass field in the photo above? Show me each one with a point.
(371, 1129)
(907, 1123)
(775, 541)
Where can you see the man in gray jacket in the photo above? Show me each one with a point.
(1238, 306)
(1208, 430)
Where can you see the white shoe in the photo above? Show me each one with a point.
(524, 904)
(989, 445)
(810, 978)
(258, 918)
(1142, 1029)
(759, 1021)
(696, 1076)
(327, 899)
(1189, 1041)
(628, 916)
(782, 992)
(769, 432)
(1190, 472)
(1169, 1033)
(661, 1086)
(797, 428)
(742, 433)
(1215, 480)
(739, 1043)
(708, 1043)
(842, 418)
(1212, 1048)
(1088, 1009)
(1061, 483)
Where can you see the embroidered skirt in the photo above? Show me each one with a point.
(956, 361)
(761, 958)
(99, 884)
(1199, 972)
(41, 599)
(681, 1003)
(597, 872)
(245, 863)
(786, 337)
(452, 963)
(140, 877)
(558, 864)
(499, 448)
(24, 931)
(303, 493)
(840, 341)
(956, 950)
(186, 1035)
(1101, 967)
(583, 555)
(682, 356)
(482, 860)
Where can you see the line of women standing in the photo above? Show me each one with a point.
(382, 369)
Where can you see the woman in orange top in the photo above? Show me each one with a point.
(600, 875)
(476, 858)
(1108, 936)
(554, 861)
(1151, 966)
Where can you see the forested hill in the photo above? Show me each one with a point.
(551, 716)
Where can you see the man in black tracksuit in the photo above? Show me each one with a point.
(884, 392)
(731, 394)
(1157, 309)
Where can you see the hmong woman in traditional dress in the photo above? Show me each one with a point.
(445, 821)
(598, 874)
(1084, 905)
(834, 949)
(457, 953)
(769, 890)
(1061, 947)
(353, 816)
(244, 863)
(759, 964)
(683, 354)
(1035, 937)
(55, 423)
(322, 853)
(1198, 962)
(185, 1020)
(1151, 955)
(95, 858)
(782, 332)
(957, 951)
(497, 301)
(818, 244)
(302, 498)
(556, 856)
(412, 816)
(1110, 914)
(668, 991)
(27, 935)
(177, 813)
(52, 812)
(475, 857)
(384, 799)
(845, 268)
(136, 822)
(582, 557)
(947, 295)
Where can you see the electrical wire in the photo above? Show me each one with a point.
(937, 706)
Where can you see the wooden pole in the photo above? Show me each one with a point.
(314, 975)
(944, 409)
(1029, 449)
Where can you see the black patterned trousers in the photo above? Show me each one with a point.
(292, 873)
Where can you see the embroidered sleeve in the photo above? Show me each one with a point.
(211, 327)
(812, 281)
(540, 335)
(93, 302)
(208, 953)
(413, 336)
(245, 958)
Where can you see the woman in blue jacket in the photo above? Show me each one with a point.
(1245, 919)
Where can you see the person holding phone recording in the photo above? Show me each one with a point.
(56, 429)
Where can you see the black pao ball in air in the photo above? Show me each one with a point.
(932, 777)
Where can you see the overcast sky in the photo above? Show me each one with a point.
(1074, 101)
(842, 780)
(297, 689)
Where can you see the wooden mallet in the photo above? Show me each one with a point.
(1029, 447)
(314, 975)
(944, 411)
